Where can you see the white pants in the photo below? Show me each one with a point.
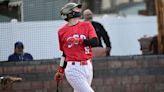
(79, 76)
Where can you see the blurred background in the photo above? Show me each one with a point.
(39, 10)
(36, 23)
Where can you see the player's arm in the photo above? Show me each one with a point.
(62, 61)
(91, 42)
(60, 70)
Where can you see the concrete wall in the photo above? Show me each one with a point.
(111, 74)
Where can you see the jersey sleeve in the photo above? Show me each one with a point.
(92, 32)
(60, 42)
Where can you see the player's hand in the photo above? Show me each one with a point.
(72, 41)
(59, 74)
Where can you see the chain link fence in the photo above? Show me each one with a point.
(36, 23)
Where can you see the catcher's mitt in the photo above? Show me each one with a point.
(6, 81)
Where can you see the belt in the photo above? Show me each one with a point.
(84, 62)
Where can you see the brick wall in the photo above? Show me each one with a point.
(111, 74)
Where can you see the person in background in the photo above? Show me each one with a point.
(100, 30)
(19, 54)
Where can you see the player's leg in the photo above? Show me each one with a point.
(90, 73)
(76, 76)
(79, 85)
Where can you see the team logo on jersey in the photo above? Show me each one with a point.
(70, 40)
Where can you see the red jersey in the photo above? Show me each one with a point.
(76, 52)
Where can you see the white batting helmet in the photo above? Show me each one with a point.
(66, 11)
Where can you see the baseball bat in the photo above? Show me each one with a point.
(57, 86)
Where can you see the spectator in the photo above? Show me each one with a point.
(18, 54)
(100, 31)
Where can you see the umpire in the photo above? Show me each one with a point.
(100, 31)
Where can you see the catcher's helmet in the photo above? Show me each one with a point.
(67, 12)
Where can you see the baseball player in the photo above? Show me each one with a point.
(76, 39)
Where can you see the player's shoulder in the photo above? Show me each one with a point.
(62, 28)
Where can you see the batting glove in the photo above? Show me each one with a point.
(59, 74)
(73, 40)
